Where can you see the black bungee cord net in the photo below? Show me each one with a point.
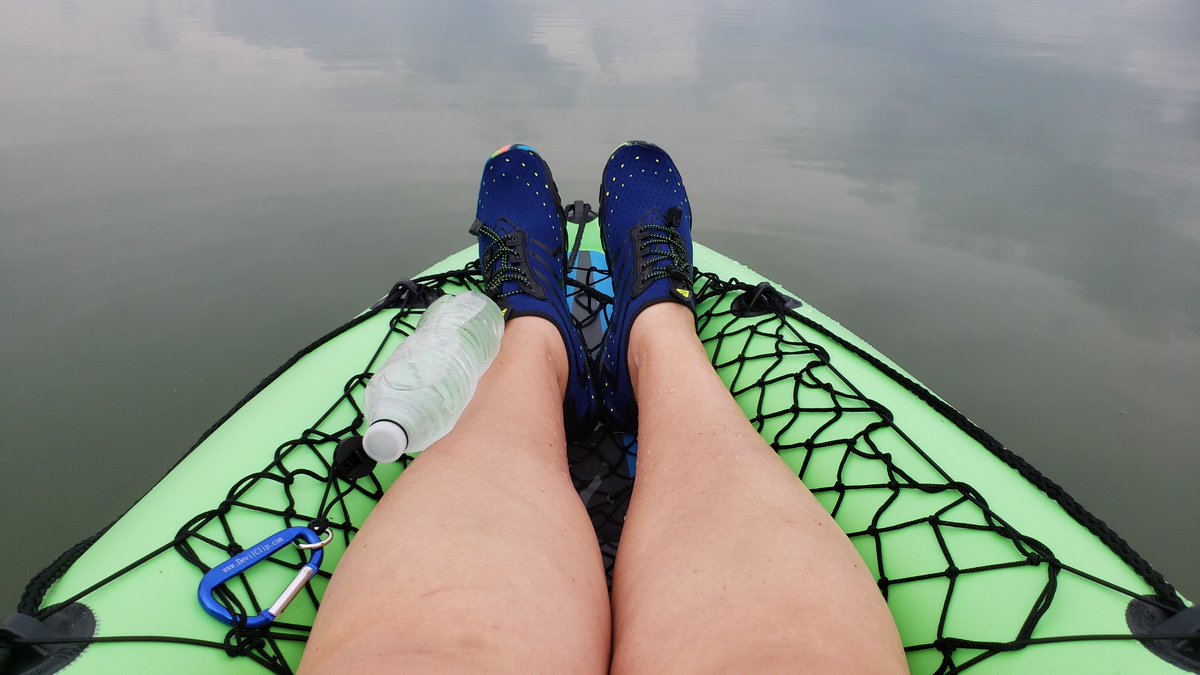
(829, 422)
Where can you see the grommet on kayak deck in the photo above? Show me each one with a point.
(242, 562)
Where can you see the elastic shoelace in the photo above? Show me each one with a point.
(500, 247)
(670, 248)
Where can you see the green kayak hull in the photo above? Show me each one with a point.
(985, 564)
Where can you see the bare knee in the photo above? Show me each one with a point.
(406, 659)
(700, 660)
(710, 649)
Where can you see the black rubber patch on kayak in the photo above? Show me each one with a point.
(762, 299)
(408, 294)
(351, 461)
(1146, 619)
(46, 646)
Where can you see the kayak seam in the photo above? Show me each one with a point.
(35, 590)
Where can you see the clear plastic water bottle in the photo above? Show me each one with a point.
(418, 395)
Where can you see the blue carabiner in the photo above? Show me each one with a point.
(243, 561)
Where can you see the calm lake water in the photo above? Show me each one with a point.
(1003, 196)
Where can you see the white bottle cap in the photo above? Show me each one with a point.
(385, 441)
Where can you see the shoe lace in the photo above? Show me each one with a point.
(496, 263)
(666, 245)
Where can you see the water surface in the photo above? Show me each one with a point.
(1002, 196)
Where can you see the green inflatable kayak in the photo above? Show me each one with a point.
(987, 566)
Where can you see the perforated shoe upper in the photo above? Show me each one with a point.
(646, 227)
(521, 227)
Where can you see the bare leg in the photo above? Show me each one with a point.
(481, 558)
(727, 562)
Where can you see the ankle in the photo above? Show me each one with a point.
(663, 328)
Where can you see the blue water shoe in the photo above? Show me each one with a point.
(646, 228)
(521, 228)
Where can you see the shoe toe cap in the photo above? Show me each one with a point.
(638, 178)
(516, 185)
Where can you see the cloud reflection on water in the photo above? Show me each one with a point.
(1061, 137)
